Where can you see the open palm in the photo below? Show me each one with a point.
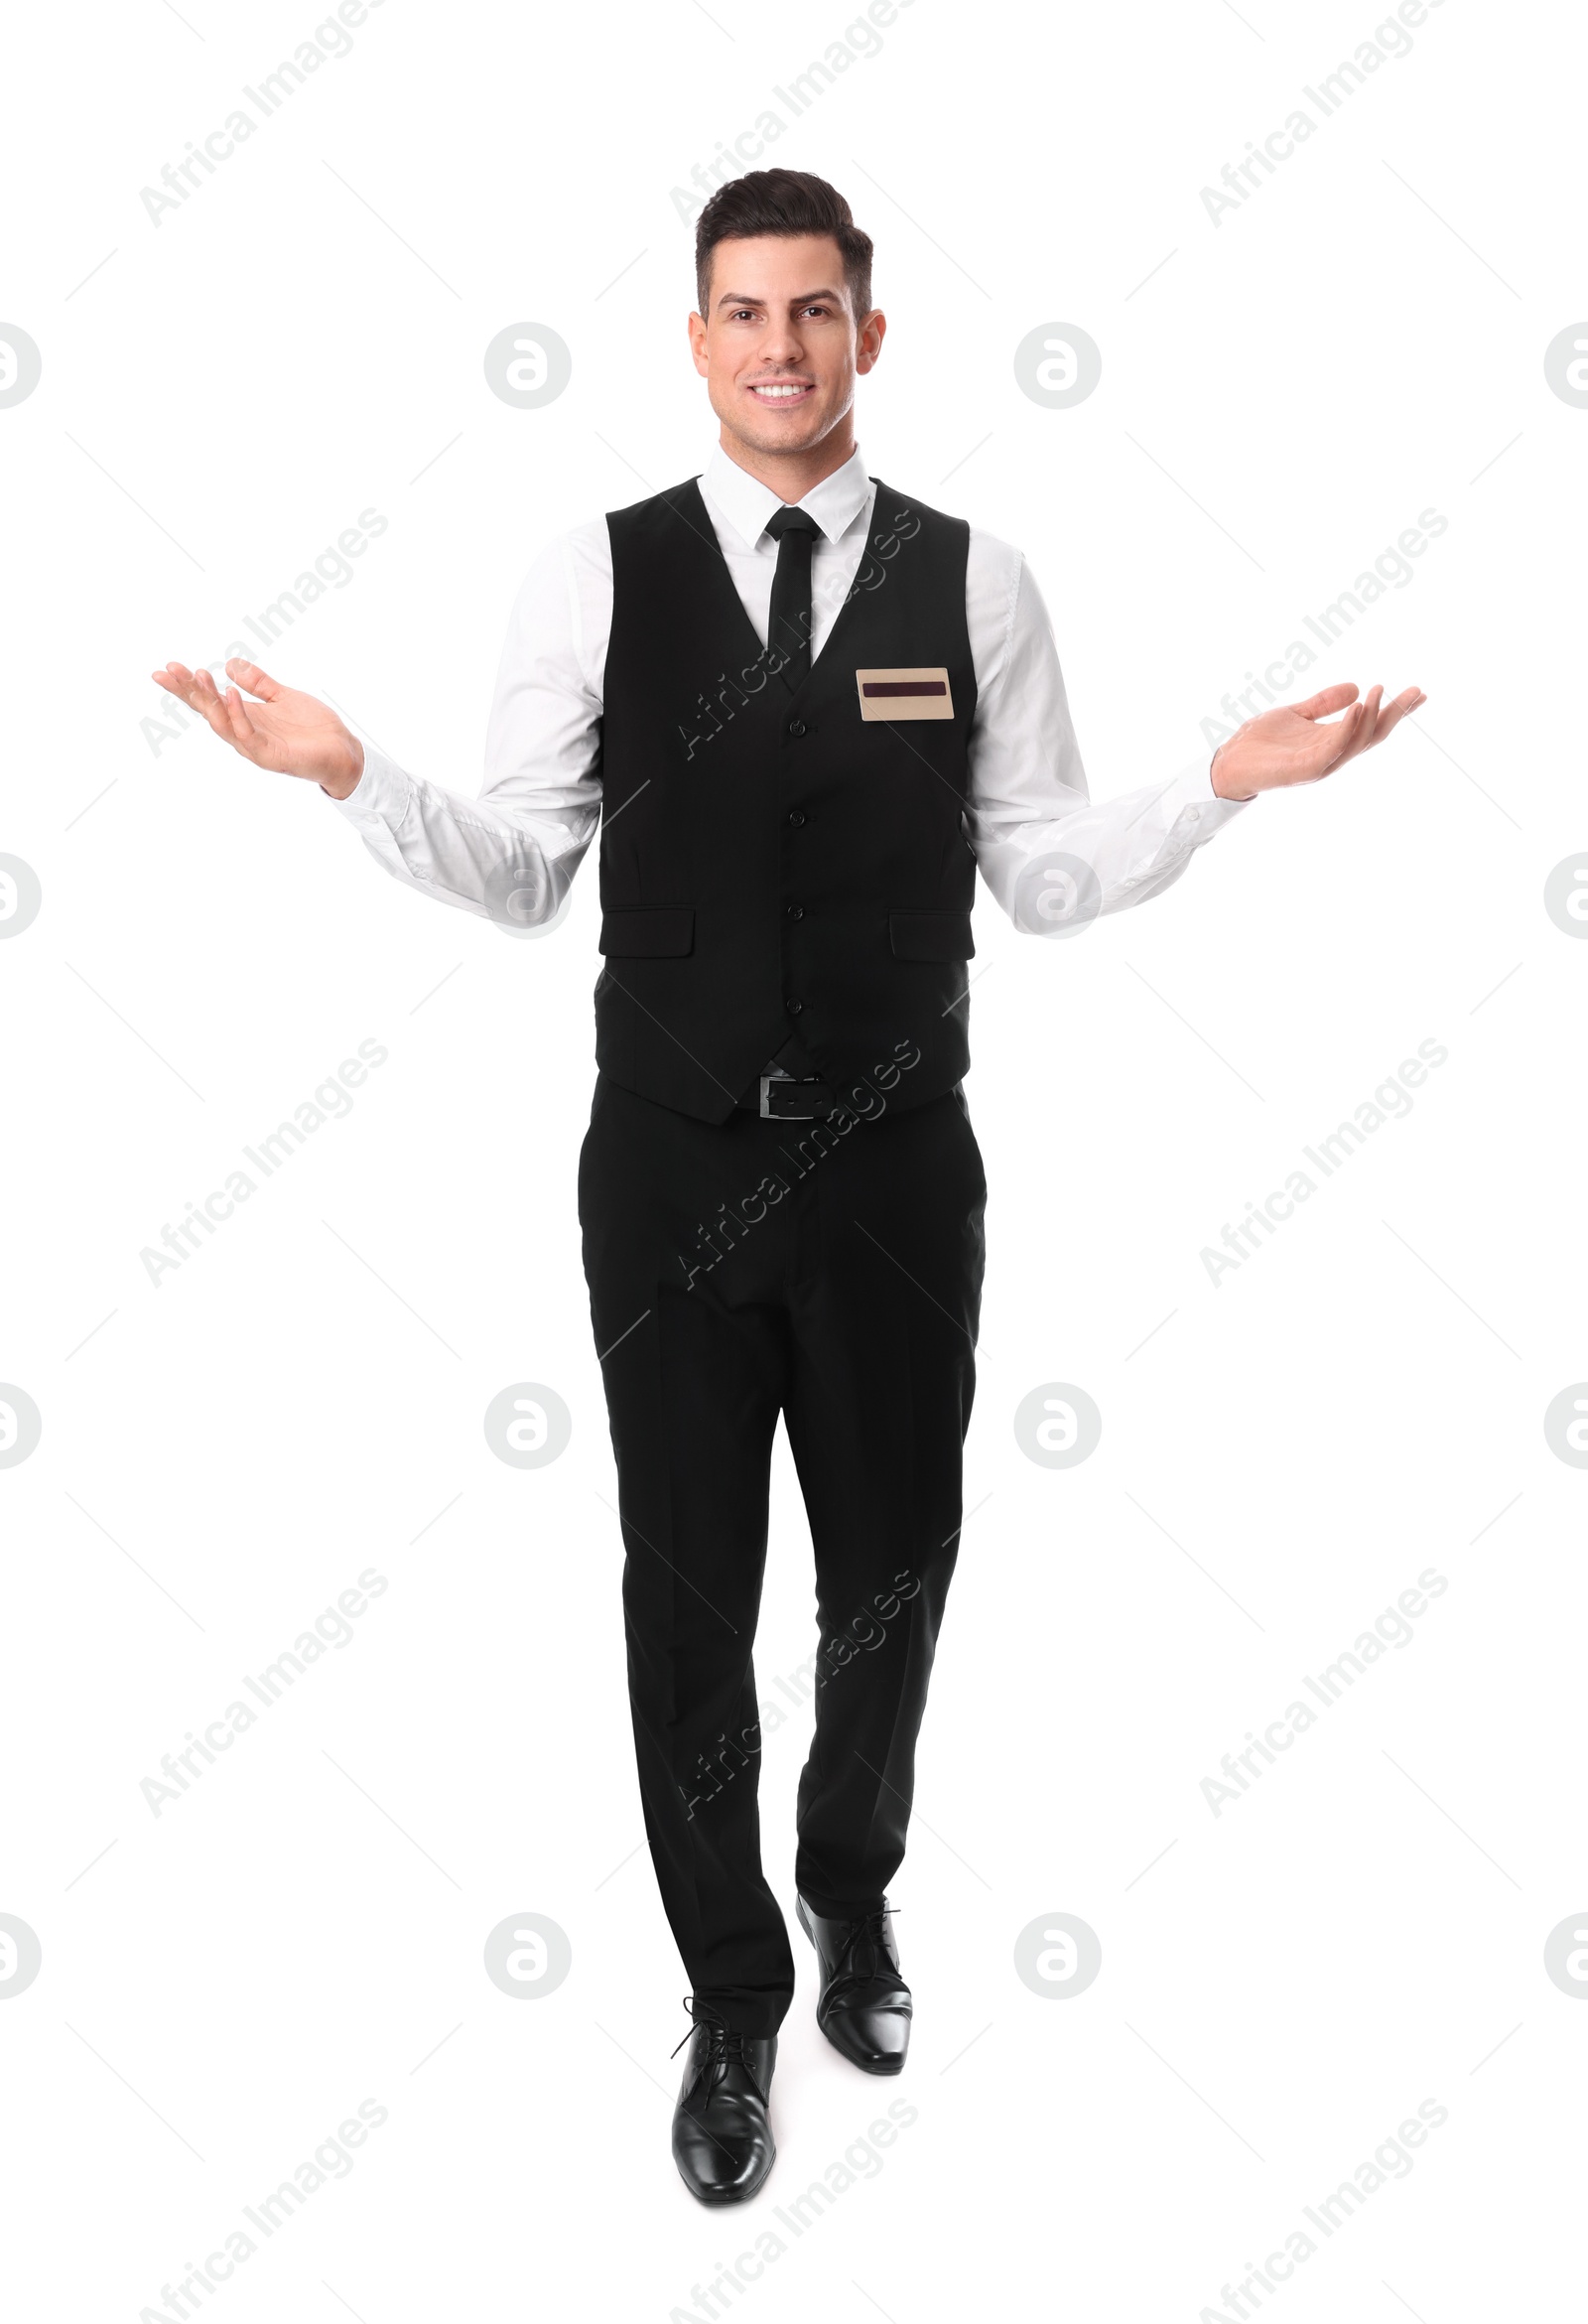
(276, 727)
(1290, 744)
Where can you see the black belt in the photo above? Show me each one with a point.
(804, 1099)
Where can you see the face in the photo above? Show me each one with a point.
(779, 347)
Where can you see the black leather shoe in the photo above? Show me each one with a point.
(722, 2138)
(864, 2005)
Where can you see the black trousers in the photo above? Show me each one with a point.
(838, 1281)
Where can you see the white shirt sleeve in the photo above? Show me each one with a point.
(1053, 858)
(511, 854)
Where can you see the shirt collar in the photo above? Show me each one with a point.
(746, 503)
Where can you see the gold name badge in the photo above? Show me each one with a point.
(905, 694)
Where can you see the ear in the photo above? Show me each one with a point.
(872, 330)
(697, 344)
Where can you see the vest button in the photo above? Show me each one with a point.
(796, 816)
(797, 726)
(793, 1007)
(795, 912)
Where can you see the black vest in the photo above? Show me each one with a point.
(771, 861)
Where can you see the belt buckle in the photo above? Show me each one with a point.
(784, 1081)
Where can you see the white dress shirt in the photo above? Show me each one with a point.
(1049, 854)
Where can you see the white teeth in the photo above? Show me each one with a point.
(796, 389)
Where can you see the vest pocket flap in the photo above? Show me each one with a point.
(654, 933)
(931, 935)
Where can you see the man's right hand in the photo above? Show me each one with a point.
(278, 727)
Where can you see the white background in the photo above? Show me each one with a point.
(1364, 1929)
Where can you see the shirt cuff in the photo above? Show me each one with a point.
(379, 795)
(1193, 786)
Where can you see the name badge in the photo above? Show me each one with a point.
(905, 694)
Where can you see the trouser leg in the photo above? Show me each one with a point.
(694, 1380)
(884, 1307)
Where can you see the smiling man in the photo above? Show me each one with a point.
(803, 709)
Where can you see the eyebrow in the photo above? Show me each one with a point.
(754, 298)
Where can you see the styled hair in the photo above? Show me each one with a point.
(783, 201)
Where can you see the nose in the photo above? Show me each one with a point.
(780, 348)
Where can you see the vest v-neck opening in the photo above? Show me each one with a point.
(725, 581)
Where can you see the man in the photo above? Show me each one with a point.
(803, 709)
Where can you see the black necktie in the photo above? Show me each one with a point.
(788, 625)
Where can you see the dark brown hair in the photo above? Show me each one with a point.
(783, 201)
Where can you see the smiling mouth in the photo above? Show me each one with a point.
(781, 391)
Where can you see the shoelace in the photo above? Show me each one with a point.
(871, 1931)
(722, 2049)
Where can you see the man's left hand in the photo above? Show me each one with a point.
(1291, 745)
